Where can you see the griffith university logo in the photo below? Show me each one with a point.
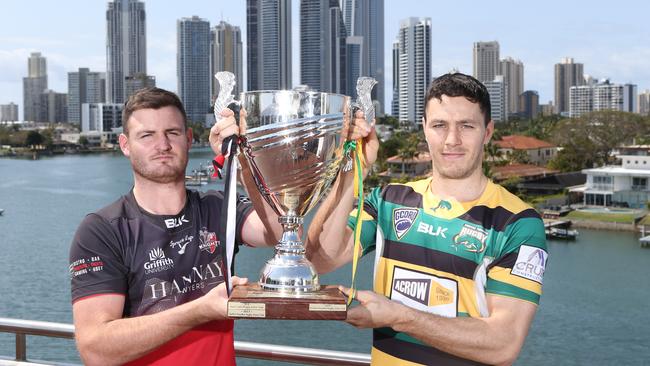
(157, 262)
(472, 238)
(403, 219)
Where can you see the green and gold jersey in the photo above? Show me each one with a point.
(444, 256)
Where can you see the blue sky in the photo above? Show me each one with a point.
(612, 39)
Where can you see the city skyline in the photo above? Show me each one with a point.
(608, 48)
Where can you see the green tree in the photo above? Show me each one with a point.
(83, 141)
(34, 138)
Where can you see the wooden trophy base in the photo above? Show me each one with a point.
(250, 301)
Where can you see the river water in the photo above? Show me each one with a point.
(594, 310)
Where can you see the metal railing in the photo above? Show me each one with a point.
(271, 352)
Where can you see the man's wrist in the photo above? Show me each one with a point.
(405, 317)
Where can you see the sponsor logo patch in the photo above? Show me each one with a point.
(181, 243)
(208, 240)
(531, 263)
(442, 204)
(403, 219)
(176, 222)
(85, 265)
(157, 262)
(426, 292)
(472, 238)
(429, 229)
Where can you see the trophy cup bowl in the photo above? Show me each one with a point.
(293, 147)
(292, 142)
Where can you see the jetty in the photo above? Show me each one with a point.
(559, 229)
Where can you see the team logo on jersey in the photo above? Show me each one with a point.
(531, 263)
(424, 291)
(176, 222)
(444, 205)
(472, 238)
(208, 240)
(429, 229)
(157, 262)
(181, 243)
(403, 219)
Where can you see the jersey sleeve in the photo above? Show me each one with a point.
(518, 270)
(369, 216)
(96, 265)
(244, 208)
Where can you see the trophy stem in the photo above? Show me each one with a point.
(289, 270)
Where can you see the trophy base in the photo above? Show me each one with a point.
(250, 301)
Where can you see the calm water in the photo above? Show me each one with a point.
(594, 309)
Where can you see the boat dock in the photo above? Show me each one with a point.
(645, 241)
(559, 229)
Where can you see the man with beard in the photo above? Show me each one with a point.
(148, 273)
(459, 261)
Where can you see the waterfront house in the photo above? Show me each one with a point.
(623, 185)
(539, 152)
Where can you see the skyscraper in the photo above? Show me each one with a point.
(413, 54)
(8, 112)
(268, 50)
(567, 74)
(126, 45)
(33, 85)
(643, 103)
(513, 76)
(602, 96)
(486, 60)
(365, 19)
(193, 67)
(225, 55)
(394, 105)
(529, 104)
(322, 46)
(136, 82)
(84, 86)
(498, 98)
(54, 106)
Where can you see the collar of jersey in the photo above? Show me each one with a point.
(449, 208)
(159, 220)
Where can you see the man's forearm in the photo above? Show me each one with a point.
(484, 340)
(123, 340)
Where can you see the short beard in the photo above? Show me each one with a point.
(163, 175)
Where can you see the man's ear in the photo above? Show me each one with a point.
(124, 144)
(189, 134)
(489, 131)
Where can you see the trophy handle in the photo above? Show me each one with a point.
(227, 83)
(364, 88)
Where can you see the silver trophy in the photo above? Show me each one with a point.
(292, 143)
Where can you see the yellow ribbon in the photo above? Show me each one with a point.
(359, 164)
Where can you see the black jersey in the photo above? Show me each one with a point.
(157, 262)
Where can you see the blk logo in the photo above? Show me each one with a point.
(176, 222)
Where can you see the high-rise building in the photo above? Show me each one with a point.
(8, 112)
(136, 82)
(54, 106)
(413, 53)
(567, 74)
(643, 103)
(602, 96)
(513, 75)
(365, 19)
(498, 98)
(101, 117)
(486, 60)
(322, 46)
(126, 46)
(394, 106)
(193, 67)
(529, 104)
(268, 49)
(225, 55)
(354, 56)
(84, 86)
(33, 85)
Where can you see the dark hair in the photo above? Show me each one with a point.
(150, 98)
(460, 85)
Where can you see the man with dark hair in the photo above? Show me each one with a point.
(459, 261)
(148, 271)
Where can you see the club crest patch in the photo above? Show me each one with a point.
(403, 219)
